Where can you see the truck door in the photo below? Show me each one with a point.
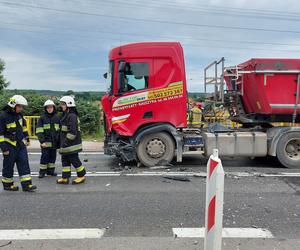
(134, 78)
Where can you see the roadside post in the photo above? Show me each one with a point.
(214, 203)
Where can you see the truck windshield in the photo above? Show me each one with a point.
(110, 78)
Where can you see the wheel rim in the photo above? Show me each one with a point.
(156, 148)
(292, 149)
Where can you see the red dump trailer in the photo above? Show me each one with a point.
(268, 90)
(145, 108)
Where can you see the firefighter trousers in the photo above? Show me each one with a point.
(47, 162)
(17, 155)
(69, 160)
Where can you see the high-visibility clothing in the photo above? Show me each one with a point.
(48, 130)
(72, 160)
(47, 162)
(14, 138)
(13, 129)
(70, 135)
(17, 154)
(194, 117)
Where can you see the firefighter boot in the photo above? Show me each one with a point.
(42, 175)
(51, 172)
(29, 188)
(78, 180)
(11, 188)
(63, 181)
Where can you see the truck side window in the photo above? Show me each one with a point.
(136, 76)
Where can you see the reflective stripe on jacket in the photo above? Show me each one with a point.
(48, 130)
(70, 135)
(13, 129)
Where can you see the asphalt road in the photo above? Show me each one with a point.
(138, 208)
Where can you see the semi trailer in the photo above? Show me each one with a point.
(146, 105)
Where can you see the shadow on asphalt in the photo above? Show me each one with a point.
(258, 162)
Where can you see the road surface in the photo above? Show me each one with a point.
(125, 207)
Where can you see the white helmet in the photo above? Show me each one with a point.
(17, 100)
(49, 103)
(69, 100)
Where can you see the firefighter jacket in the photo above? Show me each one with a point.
(13, 129)
(48, 130)
(70, 135)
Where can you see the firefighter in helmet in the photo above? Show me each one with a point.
(70, 142)
(13, 141)
(194, 118)
(48, 130)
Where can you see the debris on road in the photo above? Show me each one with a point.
(6, 244)
(85, 160)
(164, 163)
(177, 178)
(200, 175)
(107, 185)
(268, 210)
(159, 167)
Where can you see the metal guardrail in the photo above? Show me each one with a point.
(31, 122)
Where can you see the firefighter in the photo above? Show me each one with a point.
(13, 141)
(196, 115)
(48, 130)
(70, 142)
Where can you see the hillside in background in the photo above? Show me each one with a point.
(85, 95)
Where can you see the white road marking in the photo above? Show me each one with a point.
(173, 173)
(51, 234)
(226, 233)
(112, 174)
(81, 153)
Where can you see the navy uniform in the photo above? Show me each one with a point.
(13, 141)
(70, 143)
(48, 131)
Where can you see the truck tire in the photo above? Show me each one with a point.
(288, 150)
(156, 149)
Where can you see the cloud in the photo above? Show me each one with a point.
(54, 50)
(28, 71)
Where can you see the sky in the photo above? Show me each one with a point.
(64, 44)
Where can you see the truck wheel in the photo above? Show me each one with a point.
(156, 149)
(288, 150)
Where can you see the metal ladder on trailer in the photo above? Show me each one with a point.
(216, 80)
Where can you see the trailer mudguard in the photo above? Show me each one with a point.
(159, 127)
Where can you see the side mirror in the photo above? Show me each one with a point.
(105, 75)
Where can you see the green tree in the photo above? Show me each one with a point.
(3, 82)
(69, 92)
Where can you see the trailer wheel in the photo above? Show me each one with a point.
(288, 150)
(156, 149)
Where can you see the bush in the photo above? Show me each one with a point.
(89, 113)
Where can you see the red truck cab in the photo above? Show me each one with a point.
(147, 88)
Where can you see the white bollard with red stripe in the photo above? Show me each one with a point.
(214, 203)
